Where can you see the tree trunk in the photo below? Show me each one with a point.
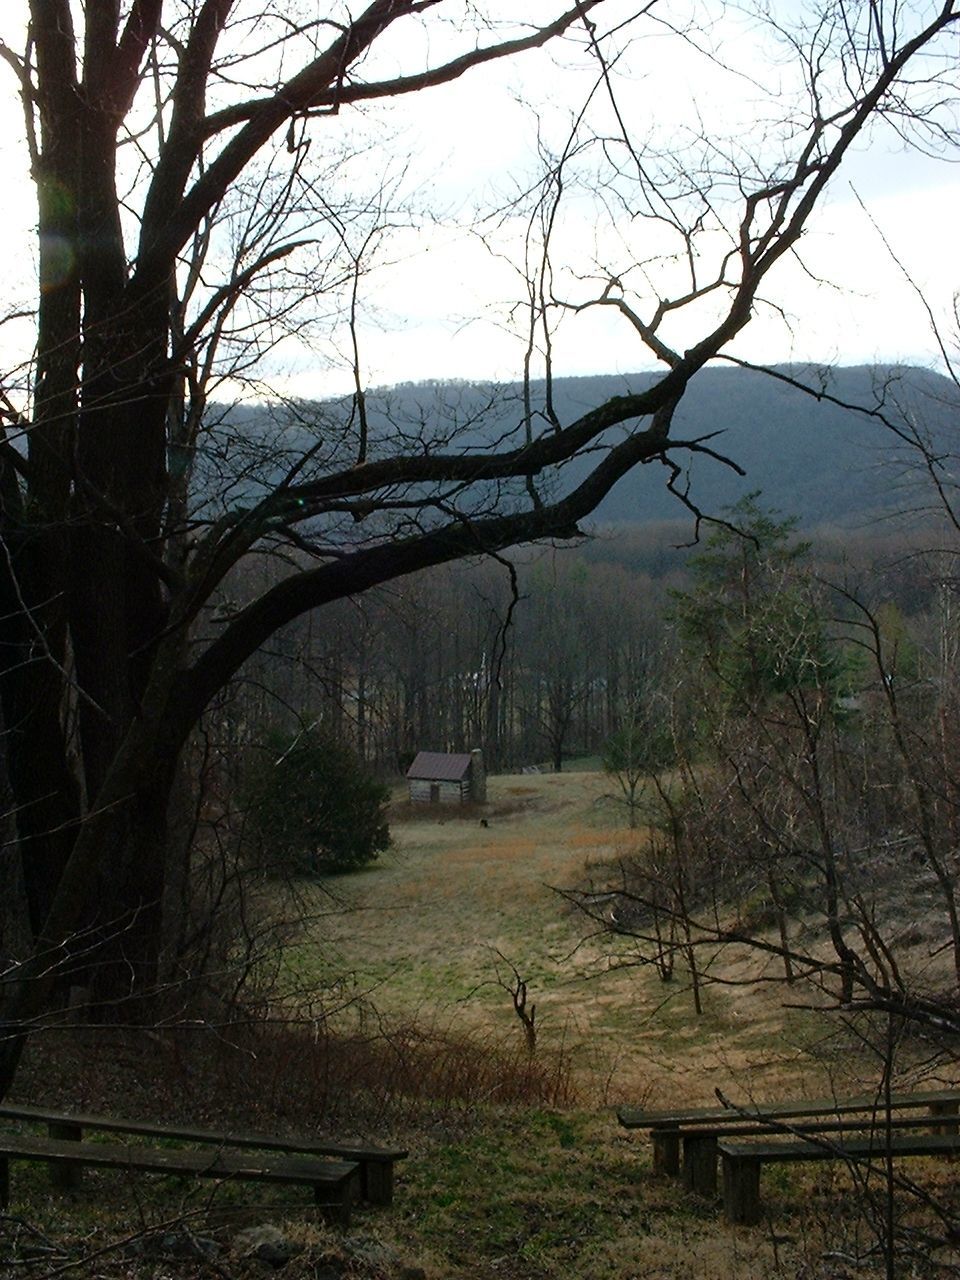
(124, 833)
(33, 570)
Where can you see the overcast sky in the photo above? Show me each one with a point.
(443, 305)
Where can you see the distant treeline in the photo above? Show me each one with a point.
(536, 659)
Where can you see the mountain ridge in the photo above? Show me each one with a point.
(812, 459)
(807, 455)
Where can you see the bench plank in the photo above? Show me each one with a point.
(632, 1118)
(916, 1144)
(332, 1181)
(376, 1163)
(700, 1146)
(742, 1162)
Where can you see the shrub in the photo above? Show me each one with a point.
(312, 806)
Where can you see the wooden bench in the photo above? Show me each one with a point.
(701, 1146)
(333, 1182)
(742, 1162)
(375, 1163)
(668, 1129)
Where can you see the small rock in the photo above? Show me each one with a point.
(373, 1253)
(176, 1244)
(330, 1266)
(370, 1257)
(268, 1245)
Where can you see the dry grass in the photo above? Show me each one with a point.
(427, 928)
(518, 1169)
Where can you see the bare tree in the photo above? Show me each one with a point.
(817, 825)
(179, 153)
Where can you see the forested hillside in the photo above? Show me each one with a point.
(535, 655)
(808, 454)
(537, 658)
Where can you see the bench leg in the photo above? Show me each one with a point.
(741, 1190)
(944, 1109)
(666, 1152)
(377, 1181)
(340, 1210)
(700, 1164)
(65, 1175)
(4, 1182)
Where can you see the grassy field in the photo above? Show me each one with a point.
(568, 1193)
(430, 937)
(438, 925)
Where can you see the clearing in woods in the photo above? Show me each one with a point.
(426, 923)
(542, 1193)
(503, 1193)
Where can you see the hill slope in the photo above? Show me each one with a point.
(812, 458)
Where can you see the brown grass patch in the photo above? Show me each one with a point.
(498, 848)
(595, 837)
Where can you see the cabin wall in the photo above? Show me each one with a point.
(423, 791)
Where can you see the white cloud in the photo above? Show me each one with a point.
(449, 307)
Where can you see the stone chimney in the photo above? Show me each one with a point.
(478, 777)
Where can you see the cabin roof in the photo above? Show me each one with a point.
(439, 766)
